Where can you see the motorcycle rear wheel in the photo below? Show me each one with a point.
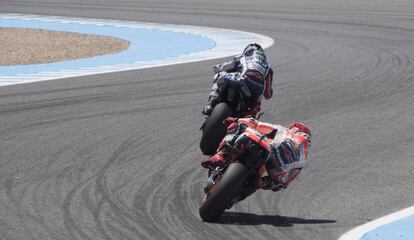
(214, 129)
(223, 192)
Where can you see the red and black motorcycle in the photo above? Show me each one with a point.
(236, 180)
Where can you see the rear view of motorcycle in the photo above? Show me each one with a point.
(235, 180)
(232, 103)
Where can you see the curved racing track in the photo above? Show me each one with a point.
(116, 156)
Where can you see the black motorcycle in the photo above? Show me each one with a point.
(232, 103)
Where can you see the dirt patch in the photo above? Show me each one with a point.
(34, 46)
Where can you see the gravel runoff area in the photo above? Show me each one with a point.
(20, 46)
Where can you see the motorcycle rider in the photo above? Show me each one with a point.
(286, 157)
(250, 69)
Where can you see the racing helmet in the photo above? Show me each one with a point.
(298, 127)
(250, 48)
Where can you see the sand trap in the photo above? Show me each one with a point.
(34, 46)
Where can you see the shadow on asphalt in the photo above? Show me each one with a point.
(238, 218)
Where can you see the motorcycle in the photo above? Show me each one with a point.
(236, 179)
(232, 103)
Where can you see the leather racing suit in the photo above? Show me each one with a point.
(287, 151)
(250, 70)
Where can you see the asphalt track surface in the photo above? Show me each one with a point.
(116, 156)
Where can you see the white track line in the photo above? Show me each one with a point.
(358, 232)
(228, 43)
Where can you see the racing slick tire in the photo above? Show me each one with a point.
(214, 129)
(223, 193)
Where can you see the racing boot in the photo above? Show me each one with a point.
(211, 103)
(267, 183)
(214, 161)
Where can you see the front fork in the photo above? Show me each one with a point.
(214, 175)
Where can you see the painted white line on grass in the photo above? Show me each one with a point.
(360, 231)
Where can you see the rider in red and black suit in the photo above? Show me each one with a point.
(287, 150)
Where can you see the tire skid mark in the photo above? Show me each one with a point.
(65, 118)
(71, 223)
(99, 199)
(109, 196)
(111, 204)
(390, 66)
(160, 200)
(77, 100)
(179, 215)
